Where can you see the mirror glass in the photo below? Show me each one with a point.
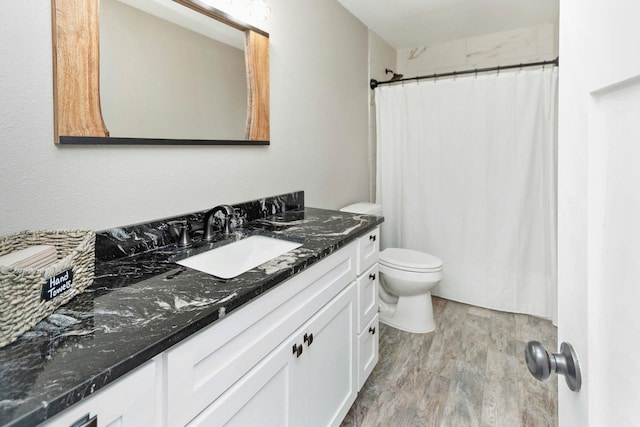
(167, 71)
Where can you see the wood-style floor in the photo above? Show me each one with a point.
(469, 372)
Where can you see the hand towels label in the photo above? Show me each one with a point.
(57, 285)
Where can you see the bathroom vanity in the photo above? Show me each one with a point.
(154, 343)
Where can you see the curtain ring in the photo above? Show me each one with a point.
(498, 70)
(476, 73)
(521, 67)
(454, 76)
(435, 78)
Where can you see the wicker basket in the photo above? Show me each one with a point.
(22, 304)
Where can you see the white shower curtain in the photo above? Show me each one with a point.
(466, 171)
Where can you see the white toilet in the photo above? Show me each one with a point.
(406, 280)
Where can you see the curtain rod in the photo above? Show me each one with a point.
(373, 83)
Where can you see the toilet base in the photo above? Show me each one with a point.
(412, 314)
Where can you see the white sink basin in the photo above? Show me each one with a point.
(238, 257)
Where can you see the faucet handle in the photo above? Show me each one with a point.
(172, 229)
(179, 230)
(185, 238)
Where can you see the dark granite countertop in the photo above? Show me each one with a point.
(142, 302)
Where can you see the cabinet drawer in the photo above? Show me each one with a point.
(368, 350)
(201, 368)
(368, 248)
(367, 296)
(128, 402)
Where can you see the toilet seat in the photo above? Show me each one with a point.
(410, 260)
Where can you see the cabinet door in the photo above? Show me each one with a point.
(265, 396)
(327, 369)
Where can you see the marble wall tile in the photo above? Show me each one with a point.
(423, 58)
(522, 45)
(503, 46)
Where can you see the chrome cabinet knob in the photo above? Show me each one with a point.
(541, 363)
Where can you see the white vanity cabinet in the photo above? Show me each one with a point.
(254, 347)
(368, 248)
(131, 401)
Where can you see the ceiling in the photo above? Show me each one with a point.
(414, 23)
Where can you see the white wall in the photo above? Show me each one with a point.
(382, 56)
(522, 45)
(319, 125)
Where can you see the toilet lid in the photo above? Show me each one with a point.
(407, 259)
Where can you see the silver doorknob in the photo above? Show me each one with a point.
(541, 363)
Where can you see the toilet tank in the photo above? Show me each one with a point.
(364, 208)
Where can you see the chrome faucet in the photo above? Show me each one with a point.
(208, 221)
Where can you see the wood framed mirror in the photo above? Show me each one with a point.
(78, 115)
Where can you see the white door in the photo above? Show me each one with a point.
(599, 209)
